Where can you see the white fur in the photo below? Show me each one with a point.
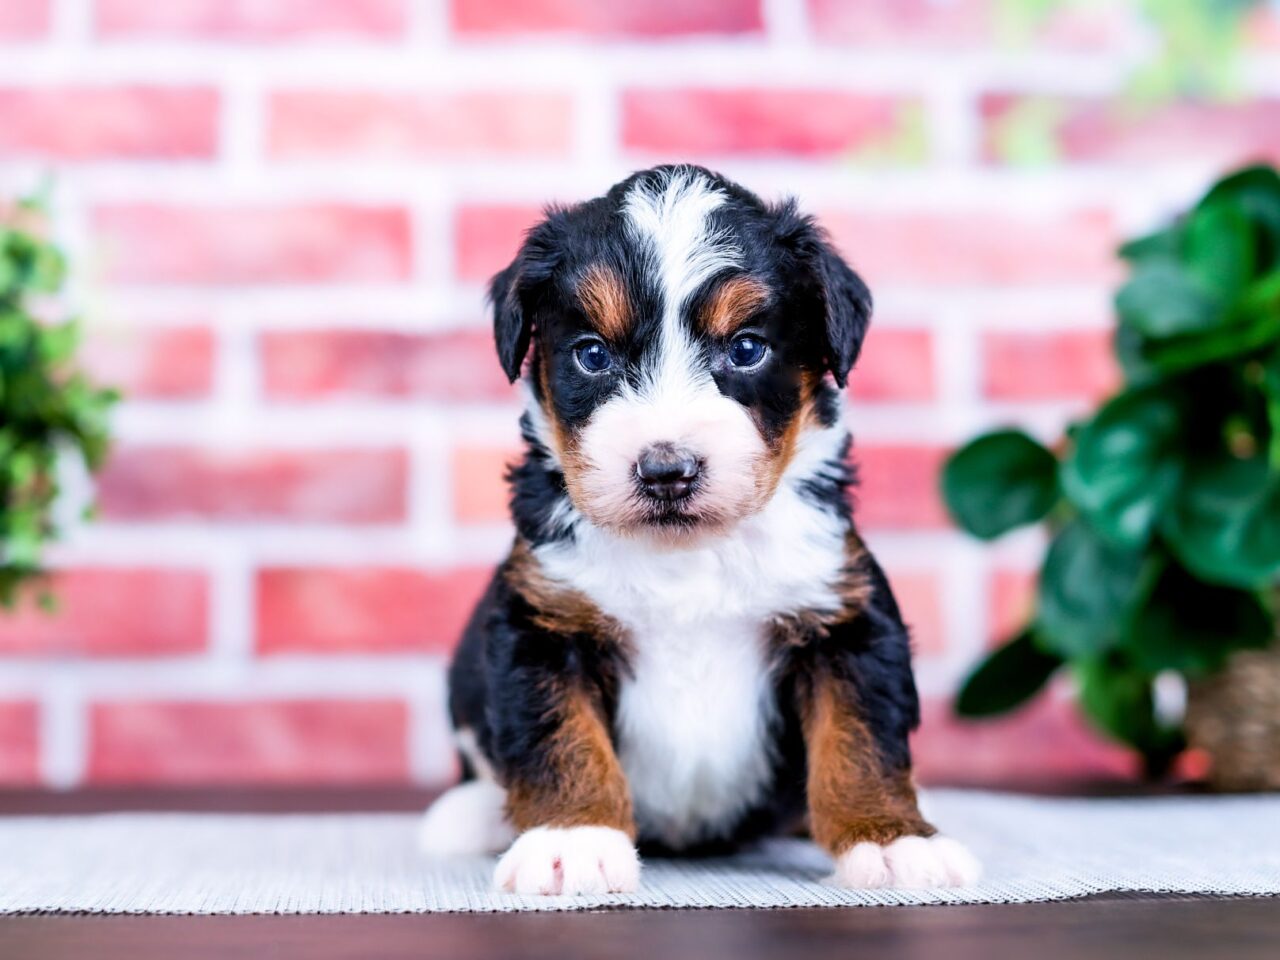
(907, 863)
(693, 717)
(466, 820)
(671, 218)
(569, 861)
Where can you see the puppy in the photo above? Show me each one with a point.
(688, 646)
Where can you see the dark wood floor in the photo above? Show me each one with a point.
(1132, 927)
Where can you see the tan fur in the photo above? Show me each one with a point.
(562, 611)
(851, 799)
(732, 305)
(585, 785)
(604, 300)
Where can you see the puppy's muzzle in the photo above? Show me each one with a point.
(666, 472)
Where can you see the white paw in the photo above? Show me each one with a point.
(569, 860)
(907, 863)
(467, 819)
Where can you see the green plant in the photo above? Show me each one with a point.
(47, 406)
(1163, 508)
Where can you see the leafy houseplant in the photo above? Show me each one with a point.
(47, 407)
(1163, 508)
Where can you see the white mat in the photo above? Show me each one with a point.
(1033, 849)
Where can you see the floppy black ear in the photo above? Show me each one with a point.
(514, 293)
(512, 329)
(846, 301)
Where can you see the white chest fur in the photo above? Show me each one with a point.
(694, 714)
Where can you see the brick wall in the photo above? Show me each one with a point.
(283, 213)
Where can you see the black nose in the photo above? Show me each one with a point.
(666, 473)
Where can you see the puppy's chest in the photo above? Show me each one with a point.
(693, 726)
(696, 706)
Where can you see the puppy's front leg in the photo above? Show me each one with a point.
(568, 796)
(862, 811)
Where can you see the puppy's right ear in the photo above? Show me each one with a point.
(512, 329)
(515, 293)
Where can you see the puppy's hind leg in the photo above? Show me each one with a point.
(468, 819)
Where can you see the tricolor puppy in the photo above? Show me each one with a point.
(688, 646)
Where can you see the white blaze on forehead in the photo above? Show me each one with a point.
(670, 216)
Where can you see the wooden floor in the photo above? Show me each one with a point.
(1132, 927)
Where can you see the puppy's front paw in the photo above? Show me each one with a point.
(907, 863)
(570, 861)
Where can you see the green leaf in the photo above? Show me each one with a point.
(1218, 248)
(1162, 299)
(1163, 245)
(1192, 626)
(1118, 699)
(1271, 389)
(1088, 589)
(1007, 678)
(1126, 464)
(1256, 191)
(999, 481)
(1253, 324)
(1225, 522)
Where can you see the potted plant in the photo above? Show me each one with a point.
(48, 408)
(1163, 507)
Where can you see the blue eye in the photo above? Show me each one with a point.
(593, 357)
(746, 352)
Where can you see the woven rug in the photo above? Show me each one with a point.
(1034, 849)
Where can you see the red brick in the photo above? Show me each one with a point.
(19, 743)
(895, 365)
(977, 246)
(480, 490)
(1067, 365)
(1011, 603)
(962, 23)
(113, 613)
(109, 123)
(231, 245)
(899, 486)
(454, 367)
(1044, 742)
(651, 18)
(152, 363)
(254, 20)
(814, 123)
(360, 485)
(919, 595)
(486, 237)
(365, 610)
(1111, 131)
(24, 19)
(274, 741)
(310, 124)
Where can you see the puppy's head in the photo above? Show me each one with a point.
(681, 333)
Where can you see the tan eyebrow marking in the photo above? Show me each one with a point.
(731, 305)
(604, 300)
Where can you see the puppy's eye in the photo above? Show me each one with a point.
(593, 356)
(747, 351)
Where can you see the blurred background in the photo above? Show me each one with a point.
(280, 217)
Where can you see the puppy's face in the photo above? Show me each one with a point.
(682, 331)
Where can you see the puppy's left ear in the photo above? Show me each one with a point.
(846, 301)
